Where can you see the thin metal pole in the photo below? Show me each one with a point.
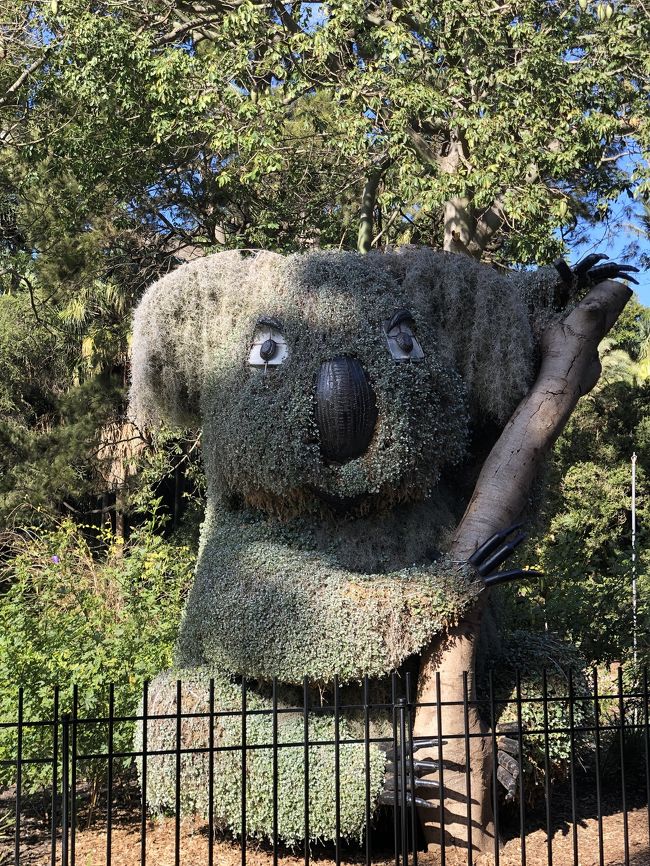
(572, 769)
(55, 767)
(468, 772)
(109, 793)
(244, 773)
(73, 772)
(65, 787)
(145, 747)
(366, 744)
(409, 730)
(401, 712)
(547, 771)
(621, 711)
(275, 771)
(495, 789)
(211, 775)
(337, 770)
(19, 778)
(522, 799)
(177, 792)
(599, 802)
(305, 720)
(395, 765)
(646, 738)
(443, 845)
(634, 582)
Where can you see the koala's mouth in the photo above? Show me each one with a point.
(338, 504)
(345, 409)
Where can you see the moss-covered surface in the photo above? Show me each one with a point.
(228, 768)
(268, 602)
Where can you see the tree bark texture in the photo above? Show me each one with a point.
(569, 369)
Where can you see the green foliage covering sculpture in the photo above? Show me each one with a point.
(318, 558)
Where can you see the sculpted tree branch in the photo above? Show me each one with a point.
(569, 369)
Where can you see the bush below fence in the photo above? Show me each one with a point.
(316, 771)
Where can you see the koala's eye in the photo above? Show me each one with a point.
(269, 348)
(402, 343)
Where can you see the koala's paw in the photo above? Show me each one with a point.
(487, 558)
(414, 771)
(589, 273)
(508, 760)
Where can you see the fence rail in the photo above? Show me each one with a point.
(578, 760)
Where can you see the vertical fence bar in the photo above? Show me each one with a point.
(403, 789)
(275, 771)
(177, 788)
(19, 777)
(410, 720)
(522, 801)
(109, 792)
(305, 721)
(395, 764)
(211, 774)
(495, 781)
(65, 787)
(646, 739)
(599, 801)
(73, 774)
(366, 746)
(621, 712)
(443, 846)
(244, 708)
(572, 769)
(55, 772)
(337, 769)
(547, 771)
(145, 748)
(468, 772)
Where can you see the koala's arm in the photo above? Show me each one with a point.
(167, 353)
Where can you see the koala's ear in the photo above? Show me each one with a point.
(177, 324)
(167, 350)
(481, 319)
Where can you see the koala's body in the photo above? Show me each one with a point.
(346, 403)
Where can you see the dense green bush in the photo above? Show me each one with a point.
(531, 654)
(85, 611)
(228, 770)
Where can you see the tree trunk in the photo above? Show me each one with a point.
(569, 369)
(366, 215)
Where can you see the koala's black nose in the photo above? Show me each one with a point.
(346, 410)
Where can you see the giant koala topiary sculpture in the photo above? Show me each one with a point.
(347, 403)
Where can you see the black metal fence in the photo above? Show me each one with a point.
(570, 777)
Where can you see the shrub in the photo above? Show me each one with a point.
(530, 654)
(75, 611)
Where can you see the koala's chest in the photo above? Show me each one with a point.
(409, 535)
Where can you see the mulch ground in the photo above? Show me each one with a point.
(126, 849)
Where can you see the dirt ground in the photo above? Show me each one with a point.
(126, 850)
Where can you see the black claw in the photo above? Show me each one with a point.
(499, 556)
(415, 745)
(426, 766)
(491, 544)
(388, 799)
(611, 271)
(419, 783)
(588, 272)
(587, 263)
(507, 576)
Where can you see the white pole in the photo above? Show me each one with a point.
(634, 594)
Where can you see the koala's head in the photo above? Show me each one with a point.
(320, 380)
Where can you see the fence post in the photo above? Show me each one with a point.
(65, 786)
(403, 784)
